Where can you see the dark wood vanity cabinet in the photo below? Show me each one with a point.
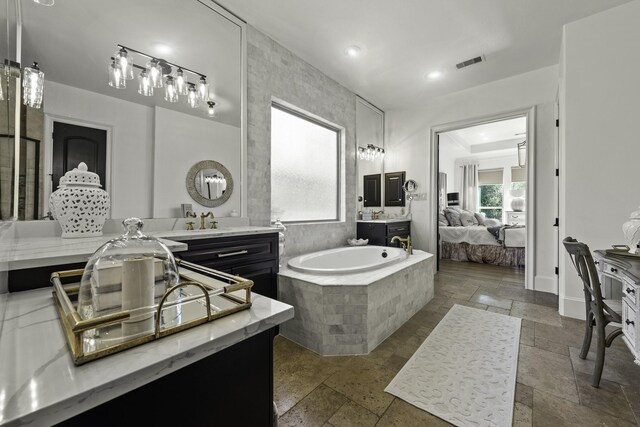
(380, 234)
(254, 257)
(393, 191)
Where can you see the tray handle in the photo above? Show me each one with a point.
(170, 291)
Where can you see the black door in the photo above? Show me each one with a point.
(74, 144)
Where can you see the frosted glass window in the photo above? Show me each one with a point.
(304, 168)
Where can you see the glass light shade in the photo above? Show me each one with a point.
(155, 73)
(116, 79)
(181, 82)
(211, 112)
(124, 60)
(32, 86)
(203, 89)
(170, 90)
(192, 98)
(130, 273)
(145, 87)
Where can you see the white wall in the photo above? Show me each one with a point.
(131, 142)
(449, 151)
(408, 139)
(599, 111)
(182, 141)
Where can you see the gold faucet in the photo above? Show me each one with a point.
(376, 215)
(190, 226)
(202, 217)
(190, 214)
(214, 225)
(407, 248)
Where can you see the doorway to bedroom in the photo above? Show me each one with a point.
(482, 197)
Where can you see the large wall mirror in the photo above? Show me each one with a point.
(370, 155)
(141, 138)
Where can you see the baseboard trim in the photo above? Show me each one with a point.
(546, 284)
(572, 307)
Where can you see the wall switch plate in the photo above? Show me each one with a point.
(186, 207)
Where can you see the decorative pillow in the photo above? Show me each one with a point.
(468, 219)
(442, 220)
(453, 216)
(490, 222)
(480, 218)
(443, 224)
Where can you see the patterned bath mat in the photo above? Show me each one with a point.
(465, 371)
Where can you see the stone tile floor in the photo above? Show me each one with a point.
(553, 384)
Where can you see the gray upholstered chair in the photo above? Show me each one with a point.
(600, 312)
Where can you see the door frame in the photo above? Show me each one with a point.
(530, 114)
(49, 186)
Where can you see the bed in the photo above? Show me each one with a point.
(476, 244)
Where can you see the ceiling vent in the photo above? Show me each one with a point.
(471, 61)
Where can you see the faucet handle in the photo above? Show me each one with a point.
(214, 225)
(190, 226)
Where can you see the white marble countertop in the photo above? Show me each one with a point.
(40, 385)
(356, 279)
(38, 251)
(384, 221)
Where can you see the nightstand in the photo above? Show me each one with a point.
(516, 218)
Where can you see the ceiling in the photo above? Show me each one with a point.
(487, 140)
(73, 41)
(402, 41)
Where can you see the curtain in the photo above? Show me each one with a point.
(442, 191)
(469, 187)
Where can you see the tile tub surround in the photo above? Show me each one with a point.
(353, 313)
(41, 386)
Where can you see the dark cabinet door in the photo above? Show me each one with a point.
(393, 192)
(264, 276)
(376, 233)
(74, 144)
(372, 189)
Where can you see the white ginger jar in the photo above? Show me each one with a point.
(79, 204)
(631, 230)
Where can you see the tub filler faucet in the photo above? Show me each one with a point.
(406, 243)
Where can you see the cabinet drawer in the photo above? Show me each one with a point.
(399, 228)
(218, 253)
(610, 269)
(630, 292)
(629, 323)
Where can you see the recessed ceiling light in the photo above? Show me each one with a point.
(353, 51)
(162, 49)
(434, 75)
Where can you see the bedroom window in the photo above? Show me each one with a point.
(518, 178)
(306, 166)
(490, 193)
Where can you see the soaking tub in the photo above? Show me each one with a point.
(349, 300)
(347, 260)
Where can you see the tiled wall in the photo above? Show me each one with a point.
(275, 72)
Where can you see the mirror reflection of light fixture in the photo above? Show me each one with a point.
(192, 98)
(145, 88)
(203, 89)
(155, 73)
(371, 152)
(170, 91)
(116, 79)
(211, 112)
(522, 153)
(181, 82)
(33, 86)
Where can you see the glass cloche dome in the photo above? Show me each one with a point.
(131, 272)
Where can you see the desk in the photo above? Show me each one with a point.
(625, 270)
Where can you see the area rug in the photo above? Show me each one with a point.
(465, 371)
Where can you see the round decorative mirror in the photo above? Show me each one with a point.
(209, 183)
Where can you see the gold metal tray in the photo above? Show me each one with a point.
(201, 296)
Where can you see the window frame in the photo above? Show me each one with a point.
(480, 207)
(339, 161)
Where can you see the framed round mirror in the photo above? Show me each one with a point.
(209, 183)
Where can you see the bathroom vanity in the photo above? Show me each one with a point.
(193, 377)
(381, 231)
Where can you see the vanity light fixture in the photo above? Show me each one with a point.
(203, 89)
(116, 79)
(192, 97)
(181, 82)
(33, 86)
(157, 73)
(170, 91)
(211, 112)
(145, 88)
(371, 152)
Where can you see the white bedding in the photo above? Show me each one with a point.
(478, 235)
